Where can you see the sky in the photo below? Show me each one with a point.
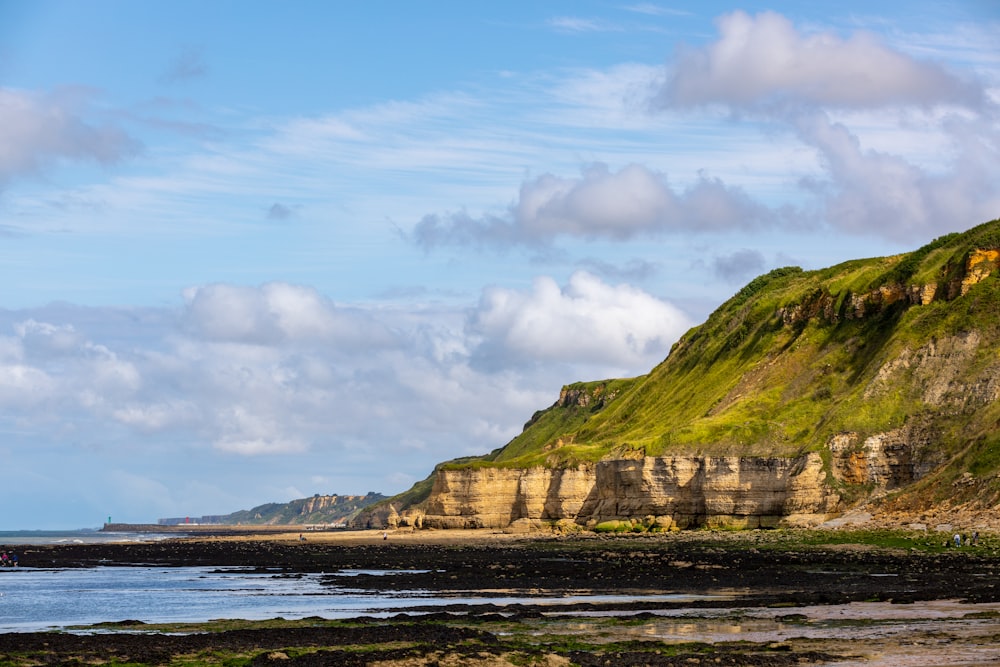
(254, 251)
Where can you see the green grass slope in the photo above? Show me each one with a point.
(335, 509)
(796, 357)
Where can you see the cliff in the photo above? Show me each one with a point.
(874, 382)
(317, 509)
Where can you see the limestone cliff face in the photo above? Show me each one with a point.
(885, 461)
(679, 491)
(497, 497)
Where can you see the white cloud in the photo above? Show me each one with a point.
(653, 9)
(763, 65)
(249, 432)
(46, 338)
(631, 202)
(586, 320)
(22, 385)
(578, 24)
(247, 372)
(872, 192)
(153, 417)
(764, 61)
(276, 312)
(38, 130)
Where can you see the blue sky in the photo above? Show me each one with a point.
(254, 251)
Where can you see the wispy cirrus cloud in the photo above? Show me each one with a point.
(571, 24)
(653, 9)
(765, 67)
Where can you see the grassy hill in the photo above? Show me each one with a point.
(904, 345)
(317, 509)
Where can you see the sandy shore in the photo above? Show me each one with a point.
(354, 537)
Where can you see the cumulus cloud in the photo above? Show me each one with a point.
(764, 61)
(278, 369)
(274, 313)
(868, 191)
(249, 432)
(38, 130)
(763, 65)
(601, 203)
(586, 319)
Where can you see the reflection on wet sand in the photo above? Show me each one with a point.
(879, 634)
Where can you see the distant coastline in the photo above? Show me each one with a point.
(213, 528)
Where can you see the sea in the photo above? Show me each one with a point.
(80, 536)
(72, 599)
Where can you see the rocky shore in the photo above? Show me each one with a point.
(758, 572)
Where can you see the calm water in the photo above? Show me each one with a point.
(36, 599)
(35, 537)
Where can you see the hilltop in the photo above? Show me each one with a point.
(873, 383)
(318, 509)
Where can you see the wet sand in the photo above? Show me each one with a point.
(778, 598)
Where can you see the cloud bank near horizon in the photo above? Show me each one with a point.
(280, 369)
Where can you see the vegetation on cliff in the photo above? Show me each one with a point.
(317, 509)
(887, 352)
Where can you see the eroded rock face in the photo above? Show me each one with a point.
(935, 369)
(497, 497)
(679, 491)
(884, 461)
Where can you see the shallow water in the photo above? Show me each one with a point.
(877, 634)
(37, 599)
(9, 538)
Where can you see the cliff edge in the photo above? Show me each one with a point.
(870, 384)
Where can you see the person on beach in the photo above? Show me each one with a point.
(3, 559)
(958, 540)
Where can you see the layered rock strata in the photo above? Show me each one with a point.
(668, 492)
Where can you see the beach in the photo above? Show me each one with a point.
(731, 598)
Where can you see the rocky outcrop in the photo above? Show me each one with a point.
(683, 491)
(936, 370)
(498, 497)
(675, 491)
(885, 461)
(823, 305)
(978, 267)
